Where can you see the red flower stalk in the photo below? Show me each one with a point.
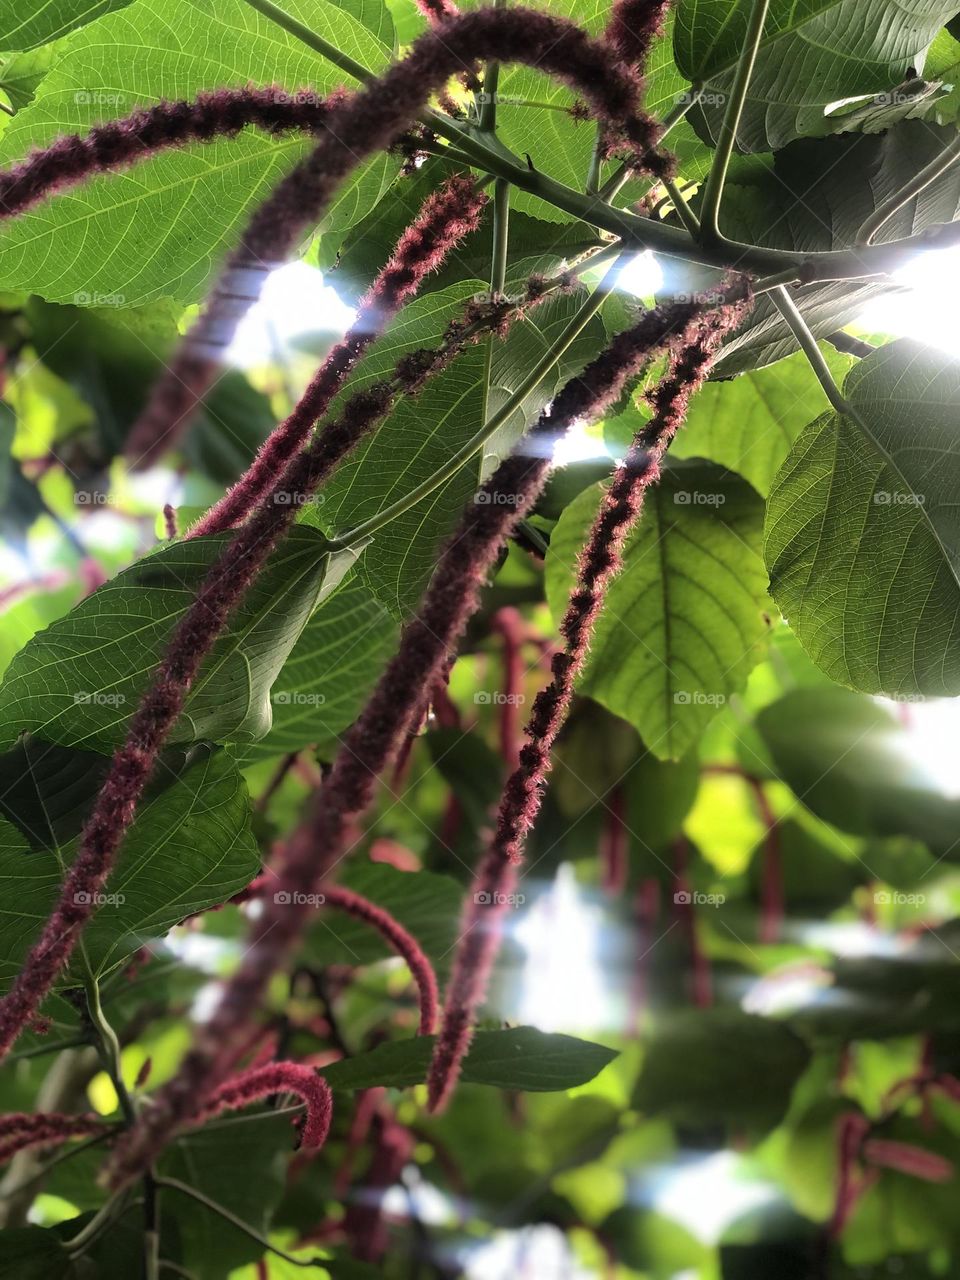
(904, 1157)
(693, 338)
(278, 1077)
(370, 120)
(403, 942)
(614, 846)
(509, 623)
(633, 27)
(218, 596)
(364, 1224)
(375, 738)
(20, 1130)
(446, 217)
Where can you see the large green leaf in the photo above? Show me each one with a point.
(322, 685)
(750, 423)
(850, 761)
(814, 197)
(160, 228)
(684, 623)
(519, 1058)
(862, 532)
(705, 1067)
(26, 23)
(813, 54)
(189, 847)
(79, 681)
(422, 432)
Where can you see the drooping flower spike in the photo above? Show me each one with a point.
(313, 850)
(693, 338)
(400, 939)
(21, 1130)
(371, 120)
(447, 216)
(633, 26)
(278, 1077)
(218, 596)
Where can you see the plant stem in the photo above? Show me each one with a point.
(97, 1224)
(873, 225)
(780, 297)
(109, 1047)
(684, 212)
(175, 1184)
(490, 155)
(713, 190)
(456, 460)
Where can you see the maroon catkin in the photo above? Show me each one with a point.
(278, 1077)
(447, 216)
(370, 120)
(219, 594)
(375, 738)
(20, 1130)
(694, 344)
(633, 26)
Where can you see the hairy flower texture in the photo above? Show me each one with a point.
(447, 216)
(278, 1077)
(633, 26)
(373, 741)
(371, 120)
(218, 596)
(20, 1130)
(392, 931)
(692, 334)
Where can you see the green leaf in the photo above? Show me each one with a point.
(160, 228)
(79, 681)
(426, 904)
(814, 197)
(33, 1253)
(520, 1058)
(420, 434)
(863, 533)
(25, 23)
(720, 1066)
(749, 424)
(189, 847)
(331, 669)
(834, 49)
(258, 1144)
(684, 623)
(850, 761)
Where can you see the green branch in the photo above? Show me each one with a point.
(781, 299)
(717, 177)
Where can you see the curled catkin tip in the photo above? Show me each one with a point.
(633, 26)
(278, 1077)
(402, 942)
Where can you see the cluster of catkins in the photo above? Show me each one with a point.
(295, 460)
